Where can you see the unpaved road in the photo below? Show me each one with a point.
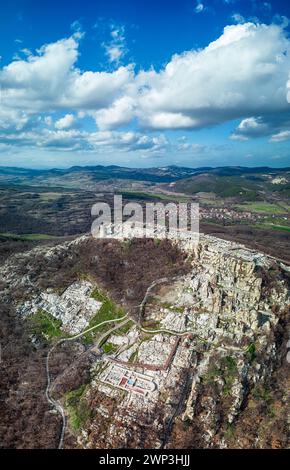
(49, 398)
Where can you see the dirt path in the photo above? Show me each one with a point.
(49, 398)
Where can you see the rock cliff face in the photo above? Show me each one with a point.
(241, 299)
(233, 304)
(239, 291)
(210, 341)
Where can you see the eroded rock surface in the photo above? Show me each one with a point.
(193, 367)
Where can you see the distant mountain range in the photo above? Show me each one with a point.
(166, 174)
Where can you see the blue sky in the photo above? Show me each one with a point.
(145, 83)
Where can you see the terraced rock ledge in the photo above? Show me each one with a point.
(197, 360)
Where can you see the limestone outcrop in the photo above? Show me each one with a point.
(209, 340)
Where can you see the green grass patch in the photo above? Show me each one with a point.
(98, 295)
(212, 375)
(229, 367)
(251, 352)
(227, 371)
(281, 227)
(133, 357)
(261, 207)
(78, 409)
(108, 311)
(230, 431)
(268, 226)
(167, 305)
(109, 347)
(152, 196)
(44, 324)
(125, 328)
(28, 236)
(264, 396)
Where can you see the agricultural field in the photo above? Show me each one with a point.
(264, 207)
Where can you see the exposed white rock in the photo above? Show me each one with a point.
(224, 301)
(74, 307)
(156, 350)
(175, 321)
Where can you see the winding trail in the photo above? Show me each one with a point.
(49, 398)
(58, 407)
(170, 332)
(107, 333)
(162, 280)
(188, 332)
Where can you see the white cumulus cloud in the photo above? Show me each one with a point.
(281, 136)
(199, 7)
(242, 75)
(65, 122)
